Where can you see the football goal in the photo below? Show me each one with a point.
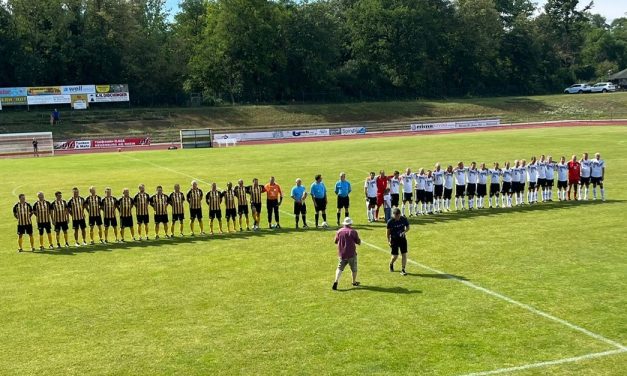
(23, 144)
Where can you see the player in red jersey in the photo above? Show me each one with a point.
(382, 184)
(574, 169)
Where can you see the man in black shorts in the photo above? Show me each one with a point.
(396, 229)
(177, 202)
(22, 211)
(76, 206)
(93, 203)
(230, 206)
(318, 193)
(342, 190)
(60, 217)
(42, 211)
(109, 208)
(125, 207)
(214, 200)
(159, 203)
(241, 193)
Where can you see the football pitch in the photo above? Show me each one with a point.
(537, 290)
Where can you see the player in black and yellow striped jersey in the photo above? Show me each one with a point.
(93, 203)
(22, 211)
(242, 203)
(41, 210)
(229, 203)
(109, 206)
(142, 201)
(194, 198)
(76, 206)
(214, 199)
(159, 203)
(255, 191)
(60, 217)
(125, 207)
(177, 202)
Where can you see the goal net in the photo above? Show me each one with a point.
(196, 138)
(22, 144)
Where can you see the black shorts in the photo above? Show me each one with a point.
(507, 187)
(495, 188)
(215, 214)
(521, 187)
(300, 208)
(420, 195)
(255, 207)
(562, 184)
(584, 181)
(548, 183)
(515, 186)
(231, 214)
(471, 189)
(395, 199)
(60, 226)
(541, 182)
(343, 202)
(242, 209)
(110, 222)
(372, 201)
(448, 193)
(161, 218)
(76, 223)
(482, 190)
(428, 197)
(596, 181)
(178, 217)
(44, 226)
(195, 214)
(321, 204)
(25, 229)
(460, 190)
(532, 186)
(398, 244)
(95, 221)
(407, 197)
(438, 190)
(143, 219)
(126, 222)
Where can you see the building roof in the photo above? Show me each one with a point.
(622, 75)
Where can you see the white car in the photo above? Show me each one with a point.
(603, 87)
(578, 89)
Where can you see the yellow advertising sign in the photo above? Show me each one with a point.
(44, 90)
(13, 101)
(103, 88)
(79, 101)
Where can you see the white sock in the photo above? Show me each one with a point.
(594, 192)
(602, 194)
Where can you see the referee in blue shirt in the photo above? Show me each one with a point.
(342, 190)
(299, 194)
(319, 196)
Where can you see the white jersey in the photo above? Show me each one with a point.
(428, 184)
(522, 174)
(371, 187)
(421, 180)
(549, 170)
(395, 185)
(473, 174)
(597, 167)
(542, 166)
(460, 176)
(387, 200)
(438, 177)
(516, 174)
(562, 171)
(495, 175)
(586, 165)
(508, 175)
(483, 176)
(448, 180)
(532, 173)
(408, 181)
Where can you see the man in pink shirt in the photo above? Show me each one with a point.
(347, 240)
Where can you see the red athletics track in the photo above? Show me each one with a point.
(504, 127)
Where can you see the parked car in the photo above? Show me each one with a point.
(578, 89)
(603, 87)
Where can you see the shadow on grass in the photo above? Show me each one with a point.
(390, 290)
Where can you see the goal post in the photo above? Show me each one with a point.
(21, 144)
(196, 138)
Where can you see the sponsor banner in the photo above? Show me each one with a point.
(12, 92)
(78, 89)
(306, 133)
(273, 135)
(462, 124)
(353, 130)
(108, 97)
(112, 88)
(82, 144)
(43, 90)
(335, 131)
(79, 101)
(118, 142)
(49, 99)
(14, 101)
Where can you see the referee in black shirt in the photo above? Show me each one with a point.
(397, 239)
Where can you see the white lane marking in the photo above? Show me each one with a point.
(13, 192)
(547, 363)
(512, 301)
(166, 168)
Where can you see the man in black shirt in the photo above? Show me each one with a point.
(396, 231)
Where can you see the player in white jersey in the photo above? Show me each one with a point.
(420, 203)
(495, 185)
(523, 180)
(408, 191)
(516, 181)
(395, 189)
(448, 187)
(562, 179)
(438, 189)
(532, 177)
(482, 185)
(460, 185)
(507, 189)
(370, 191)
(597, 172)
(584, 180)
(541, 177)
(472, 175)
(549, 179)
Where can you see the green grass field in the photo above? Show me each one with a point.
(261, 304)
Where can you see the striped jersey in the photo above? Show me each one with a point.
(255, 193)
(93, 205)
(141, 200)
(41, 209)
(229, 198)
(125, 206)
(59, 211)
(23, 213)
(194, 197)
(109, 204)
(160, 203)
(77, 208)
(176, 200)
(213, 199)
(240, 193)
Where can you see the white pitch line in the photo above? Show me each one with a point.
(166, 168)
(547, 363)
(15, 190)
(514, 302)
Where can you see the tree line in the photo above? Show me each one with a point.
(253, 51)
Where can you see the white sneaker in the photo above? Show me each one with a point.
(325, 225)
